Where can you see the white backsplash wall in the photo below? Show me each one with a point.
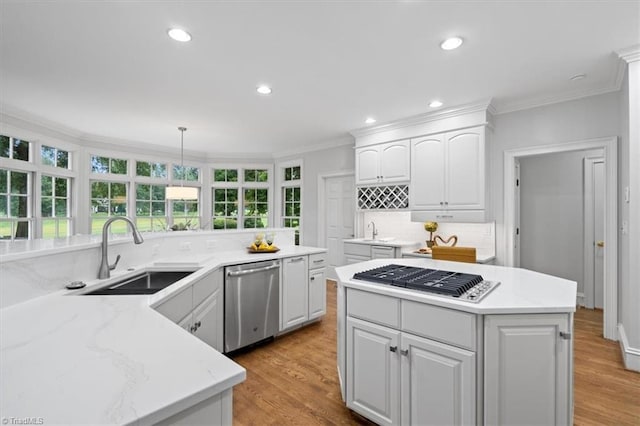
(398, 225)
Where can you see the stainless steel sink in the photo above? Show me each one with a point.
(146, 283)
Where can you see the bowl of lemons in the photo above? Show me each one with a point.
(262, 245)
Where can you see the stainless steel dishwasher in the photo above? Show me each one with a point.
(251, 303)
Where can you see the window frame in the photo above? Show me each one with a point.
(282, 185)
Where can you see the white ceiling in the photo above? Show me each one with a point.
(108, 68)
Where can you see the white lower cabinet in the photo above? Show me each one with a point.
(317, 293)
(528, 369)
(395, 377)
(198, 309)
(303, 292)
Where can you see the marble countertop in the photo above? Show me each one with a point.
(70, 359)
(520, 290)
(389, 242)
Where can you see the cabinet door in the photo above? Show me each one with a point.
(394, 162)
(382, 252)
(295, 298)
(367, 165)
(427, 173)
(527, 370)
(438, 383)
(373, 371)
(465, 169)
(350, 259)
(317, 293)
(208, 320)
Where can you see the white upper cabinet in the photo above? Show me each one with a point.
(384, 163)
(448, 172)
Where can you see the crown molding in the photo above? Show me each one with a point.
(629, 54)
(428, 117)
(319, 146)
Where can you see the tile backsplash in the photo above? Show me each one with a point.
(398, 225)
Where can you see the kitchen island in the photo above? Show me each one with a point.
(412, 357)
(68, 358)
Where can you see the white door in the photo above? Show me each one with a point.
(438, 383)
(598, 230)
(516, 238)
(464, 159)
(295, 292)
(339, 216)
(367, 165)
(427, 173)
(207, 320)
(594, 244)
(527, 370)
(373, 371)
(394, 162)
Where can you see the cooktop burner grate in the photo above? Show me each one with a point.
(469, 287)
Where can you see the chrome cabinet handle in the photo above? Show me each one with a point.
(318, 261)
(193, 328)
(312, 278)
(446, 203)
(404, 352)
(393, 348)
(252, 271)
(297, 259)
(441, 203)
(198, 324)
(565, 336)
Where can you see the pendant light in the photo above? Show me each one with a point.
(181, 192)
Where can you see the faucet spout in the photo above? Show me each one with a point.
(105, 267)
(374, 231)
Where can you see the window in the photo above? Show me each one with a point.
(14, 148)
(108, 165)
(151, 208)
(225, 208)
(55, 206)
(15, 203)
(152, 170)
(292, 198)
(240, 198)
(186, 173)
(51, 156)
(108, 199)
(185, 214)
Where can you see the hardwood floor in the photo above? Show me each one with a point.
(293, 380)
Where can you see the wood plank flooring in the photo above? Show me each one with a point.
(293, 380)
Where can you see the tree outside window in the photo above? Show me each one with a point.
(225, 208)
(185, 214)
(152, 170)
(105, 165)
(14, 148)
(256, 208)
(151, 214)
(51, 156)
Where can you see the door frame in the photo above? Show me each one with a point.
(322, 180)
(588, 232)
(610, 147)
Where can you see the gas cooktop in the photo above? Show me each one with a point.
(461, 286)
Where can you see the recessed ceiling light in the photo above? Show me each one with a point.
(179, 35)
(370, 120)
(578, 77)
(264, 89)
(435, 104)
(451, 43)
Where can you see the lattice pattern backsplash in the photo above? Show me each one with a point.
(391, 197)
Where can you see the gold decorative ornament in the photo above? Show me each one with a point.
(430, 227)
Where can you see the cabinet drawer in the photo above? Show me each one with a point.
(382, 252)
(441, 324)
(357, 249)
(318, 260)
(179, 306)
(373, 307)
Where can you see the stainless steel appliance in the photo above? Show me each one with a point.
(461, 286)
(251, 303)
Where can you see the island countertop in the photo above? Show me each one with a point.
(72, 359)
(520, 290)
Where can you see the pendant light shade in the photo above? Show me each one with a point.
(181, 192)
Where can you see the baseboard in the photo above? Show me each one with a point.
(580, 299)
(631, 356)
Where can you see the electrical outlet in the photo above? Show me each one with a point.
(185, 246)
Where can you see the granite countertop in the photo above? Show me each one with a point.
(70, 359)
(520, 290)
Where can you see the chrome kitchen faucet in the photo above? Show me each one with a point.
(104, 264)
(374, 233)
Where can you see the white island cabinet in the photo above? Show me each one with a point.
(414, 358)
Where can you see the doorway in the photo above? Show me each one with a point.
(610, 256)
(336, 208)
(594, 243)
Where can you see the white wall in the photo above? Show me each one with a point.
(551, 214)
(338, 159)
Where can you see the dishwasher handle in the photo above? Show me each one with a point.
(252, 271)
